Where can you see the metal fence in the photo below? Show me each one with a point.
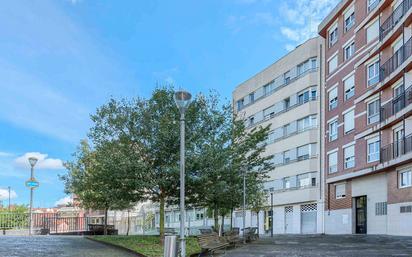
(397, 59)
(396, 149)
(44, 222)
(397, 104)
(397, 14)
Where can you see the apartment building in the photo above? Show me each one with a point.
(368, 123)
(286, 96)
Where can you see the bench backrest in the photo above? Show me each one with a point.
(207, 239)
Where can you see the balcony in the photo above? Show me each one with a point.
(389, 24)
(396, 105)
(396, 149)
(397, 59)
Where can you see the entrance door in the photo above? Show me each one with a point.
(289, 219)
(360, 209)
(308, 218)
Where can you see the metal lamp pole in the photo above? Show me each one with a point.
(182, 99)
(244, 206)
(9, 198)
(272, 215)
(32, 161)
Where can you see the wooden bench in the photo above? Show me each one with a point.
(98, 229)
(168, 231)
(210, 243)
(250, 234)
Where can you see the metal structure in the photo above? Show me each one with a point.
(32, 161)
(244, 206)
(182, 99)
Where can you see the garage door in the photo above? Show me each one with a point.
(289, 219)
(308, 218)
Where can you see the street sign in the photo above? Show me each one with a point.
(32, 183)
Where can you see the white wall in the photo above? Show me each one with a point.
(399, 223)
(338, 221)
(375, 188)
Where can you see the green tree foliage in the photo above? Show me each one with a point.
(135, 155)
(16, 217)
(102, 178)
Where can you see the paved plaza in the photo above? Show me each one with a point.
(326, 246)
(56, 246)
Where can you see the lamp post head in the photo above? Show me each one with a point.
(33, 161)
(182, 99)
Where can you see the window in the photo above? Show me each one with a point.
(286, 103)
(349, 19)
(405, 179)
(287, 77)
(349, 85)
(372, 4)
(381, 208)
(373, 111)
(333, 130)
(333, 64)
(349, 121)
(340, 191)
(303, 152)
(286, 183)
(406, 209)
(373, 73)
(251, 97)
(304, 180)
(303, 97)
(333, 98)
(333, 36)
(333, 162)
(349, 50)
(307, 122)
(251, 120)
(349, 153)
(372, 31)
(240, 104)
(373, 149)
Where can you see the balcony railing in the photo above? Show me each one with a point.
(396, 105)
(396, 60)
(388, 25)
(396, 149)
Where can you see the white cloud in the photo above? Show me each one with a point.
(302, 18)
(64, 201)
(43, 161)
(4, 194)
(5, 154)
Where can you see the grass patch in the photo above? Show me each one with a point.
(147, 245)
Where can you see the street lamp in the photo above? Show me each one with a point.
(32, 161)
(182, 99)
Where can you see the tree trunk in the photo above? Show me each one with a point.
(105, 221)
(257, 221)
(128, 222)
(216, 217)
(162, 219)
(231, 219)
(223, 225)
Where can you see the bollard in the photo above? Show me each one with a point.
(171, 246)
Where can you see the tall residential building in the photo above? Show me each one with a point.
(368, 123)
(286, 96)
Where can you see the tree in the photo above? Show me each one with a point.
(101, 178)
(228, 153)
(257, 202)
(148, 130)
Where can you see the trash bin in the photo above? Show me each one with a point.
(171, 246)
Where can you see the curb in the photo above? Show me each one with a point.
(116, 246)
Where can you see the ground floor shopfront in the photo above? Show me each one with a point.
(373, 204)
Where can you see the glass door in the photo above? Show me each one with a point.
(360, 209)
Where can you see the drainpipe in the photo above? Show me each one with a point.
(321, 140)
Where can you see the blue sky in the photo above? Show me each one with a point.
(61, 59)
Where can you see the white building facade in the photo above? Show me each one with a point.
(286, 96)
